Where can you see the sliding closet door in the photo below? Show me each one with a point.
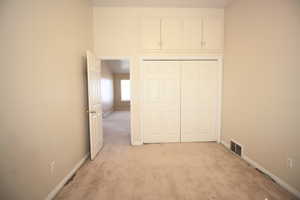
(199, 101)
(161, 101)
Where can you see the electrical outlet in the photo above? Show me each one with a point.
(52, 166)
(290, 163)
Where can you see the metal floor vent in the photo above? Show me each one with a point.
(236, 148)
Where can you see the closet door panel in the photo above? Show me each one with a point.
(213, 31)
(161, 101)
(199, 101)
(150, 33)
(192, 33)
(172, 33)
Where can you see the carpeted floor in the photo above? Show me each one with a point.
(186, 171)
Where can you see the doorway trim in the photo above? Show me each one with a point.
(218, 58)
(130, 59)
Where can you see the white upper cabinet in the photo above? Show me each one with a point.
(171, 33)
(183, 33)
(150, 33)
(192, 33)
(213, 30)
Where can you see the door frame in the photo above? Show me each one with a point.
(219, 59)
(130, 59)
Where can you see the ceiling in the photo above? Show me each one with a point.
(163, 3)
(118, 66)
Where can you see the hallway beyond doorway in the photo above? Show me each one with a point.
(116, 128)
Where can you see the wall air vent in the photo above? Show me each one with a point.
(236, 148)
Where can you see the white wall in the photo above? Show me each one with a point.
(43, 93)
(261, 83)
(107, 89)
(117, 33)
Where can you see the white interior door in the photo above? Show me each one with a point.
(94, 100)
(161, 101)
(199, 100)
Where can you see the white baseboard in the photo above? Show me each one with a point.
(136, 143)
(61, 184)
(274, 177)
(225, 144)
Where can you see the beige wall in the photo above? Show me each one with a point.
(117, 34)
(261, 83)
(107, 89)
(118, 104)
(43, 93)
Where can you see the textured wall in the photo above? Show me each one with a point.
(43, 93)
(261, 83)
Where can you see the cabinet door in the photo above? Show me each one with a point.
(161, 101)
(199, 101)
(172, 33)
(213, 30)
(150, 33)
(192, 33)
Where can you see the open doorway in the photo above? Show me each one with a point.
(116, 98)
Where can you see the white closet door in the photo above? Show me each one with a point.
(161, 101)
(213, 31)
(172, 33)
(192, 33)
(199, 101)
(150, 33)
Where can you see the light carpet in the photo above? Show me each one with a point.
(179, 171)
